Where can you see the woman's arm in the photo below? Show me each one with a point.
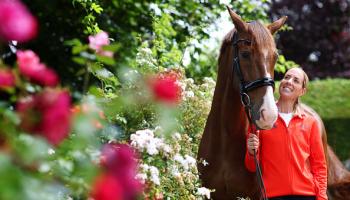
(318, 162)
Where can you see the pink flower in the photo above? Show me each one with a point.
(46, 114)
(98, 41)
(120, 160)
(106, 187)
(7, 79)
(16, 22)
(166, 89)
(30, 66)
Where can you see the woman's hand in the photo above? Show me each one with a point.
(252, 143)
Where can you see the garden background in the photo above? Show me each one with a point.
(95, 93)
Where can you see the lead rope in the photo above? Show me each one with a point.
(257, 164)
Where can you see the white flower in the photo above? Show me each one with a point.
(189, 81)
(209, 80)
(142, 177)
(166, 148)
(50, 151)
(154, 175)
(175, 171)
(205, 163)
(204, 192)
(104, 73)
(182, 85)
(155, 8)
(187, 162)
(144, 167)
(188, 94)
(190, 161)
(177, 136)
(144, 140)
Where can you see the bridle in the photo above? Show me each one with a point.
(245, 87)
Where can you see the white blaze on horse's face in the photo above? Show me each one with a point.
(268, 110)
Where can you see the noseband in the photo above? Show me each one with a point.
(246, 86)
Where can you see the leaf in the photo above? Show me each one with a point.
(78, 49)
(112, 47)
(98, 92)
(96, 8)
(73, 42)
(79, 60)
(106, 60)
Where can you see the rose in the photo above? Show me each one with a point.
(16, 22)
(46, 114)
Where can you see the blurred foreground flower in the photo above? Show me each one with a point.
(98, 41)
(7, 79)
(88, 110)
(30, 66)
(16, 22)
(166, 89)
(106, 187)
(119, 160)
(46, 114)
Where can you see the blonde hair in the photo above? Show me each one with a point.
(298, 106)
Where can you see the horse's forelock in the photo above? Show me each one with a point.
(261, 35)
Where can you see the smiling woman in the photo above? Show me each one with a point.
(297, 139)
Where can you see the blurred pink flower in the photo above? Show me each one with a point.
(16, 22)
(46, 114)
(98, 41)
(166, 89)
(120, 160)
(30, 66)
(106, 187)
(7, 79)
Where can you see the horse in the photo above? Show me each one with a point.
(247, 58)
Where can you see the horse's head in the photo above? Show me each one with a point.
(256, 54)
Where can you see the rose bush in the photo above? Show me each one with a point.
(124, 139)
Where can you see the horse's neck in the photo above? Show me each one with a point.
(232, 107)
(228, 106)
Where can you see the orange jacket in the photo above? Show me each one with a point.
(292, 159)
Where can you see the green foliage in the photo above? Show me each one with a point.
(251, 10)
(282, 65)
(330, 98)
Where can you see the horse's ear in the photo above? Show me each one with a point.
(240, 25)
(273, 27)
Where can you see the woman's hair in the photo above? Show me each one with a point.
(299, 107)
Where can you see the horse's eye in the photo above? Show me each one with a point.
(247, 43)
(245, 55)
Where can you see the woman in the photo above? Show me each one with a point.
(291, 153)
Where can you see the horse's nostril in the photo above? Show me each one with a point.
(262, 114)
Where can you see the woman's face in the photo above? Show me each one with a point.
(291, 86)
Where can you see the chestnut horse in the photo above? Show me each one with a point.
(223, 141)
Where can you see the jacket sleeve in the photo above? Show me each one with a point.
(318, 162)
(249, 159)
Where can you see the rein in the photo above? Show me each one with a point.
(245, 87)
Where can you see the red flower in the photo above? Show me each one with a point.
(16, 22)
(46, 114)
(30, 66)
(106, 187)
(120, 160)
(166, 89)
(7, 79)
